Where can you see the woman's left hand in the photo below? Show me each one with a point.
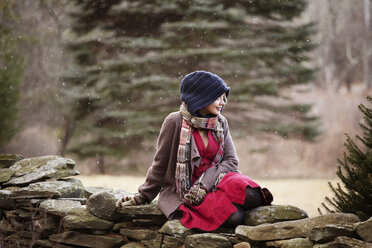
(196, 194)
(130, 201)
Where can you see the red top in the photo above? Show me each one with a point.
(217, 205)
(207, 154)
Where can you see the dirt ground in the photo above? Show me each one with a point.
(307, 194)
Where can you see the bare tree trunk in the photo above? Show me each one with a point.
(57, 11)
(50, 8)
(347, 75)
(69, 128)
(329, 61)
(101, 164)
(366, 45)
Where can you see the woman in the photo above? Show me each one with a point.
(195, 168)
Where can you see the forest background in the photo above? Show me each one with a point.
(340, 55)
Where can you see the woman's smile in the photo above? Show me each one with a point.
(215, 107)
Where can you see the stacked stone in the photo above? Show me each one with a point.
(324, 231)
(41, 207)
(25, 184)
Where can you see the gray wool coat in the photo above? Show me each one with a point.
(160, 178)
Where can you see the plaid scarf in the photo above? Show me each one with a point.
(189, 122)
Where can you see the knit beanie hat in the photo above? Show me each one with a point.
(201, 88)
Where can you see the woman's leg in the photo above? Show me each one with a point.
(253, 198)
(236, 218)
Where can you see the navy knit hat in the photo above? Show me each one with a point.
(201, 88)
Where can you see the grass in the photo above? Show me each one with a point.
(307, 194)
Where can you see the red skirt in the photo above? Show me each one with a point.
(217, 205)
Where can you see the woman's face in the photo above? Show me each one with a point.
(215, 107)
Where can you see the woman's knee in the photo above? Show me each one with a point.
(236, 218)
(253, 198)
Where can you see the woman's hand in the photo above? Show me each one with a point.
(130, 200)
(196, 194)
(219, 179)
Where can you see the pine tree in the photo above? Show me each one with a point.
(355, 172)
(11, 70)
(129, 57)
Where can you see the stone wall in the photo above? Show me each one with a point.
(42, 206)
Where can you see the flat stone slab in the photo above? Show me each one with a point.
(50, 189)
(19, 214)
(91, 190)
(272, 214)
(176, 229)
(47, 243)
(7, 192)
(329, 232)
(59, 207)
(242, 245)
(158, 242)
(139, 234)
(163, 241)
(155, 220)
(364, 230)
(36, 169)
(344, 242)
(37, 201)
(81, 218)
(5, 174)
(138, 210)
(133, 245)
(292, 229)
(6, 160)
(291, 243)
(82, 201)
(5, 203)
(209, 240)
(169, 242)
(87, 240)
(102, 204)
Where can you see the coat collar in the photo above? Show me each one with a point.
(194, 150)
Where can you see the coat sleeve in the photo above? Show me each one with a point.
(229, 162)
(157, 171)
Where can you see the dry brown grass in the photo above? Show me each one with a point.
(307, 194)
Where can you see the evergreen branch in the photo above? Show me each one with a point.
(355, 172)
(122, 51)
